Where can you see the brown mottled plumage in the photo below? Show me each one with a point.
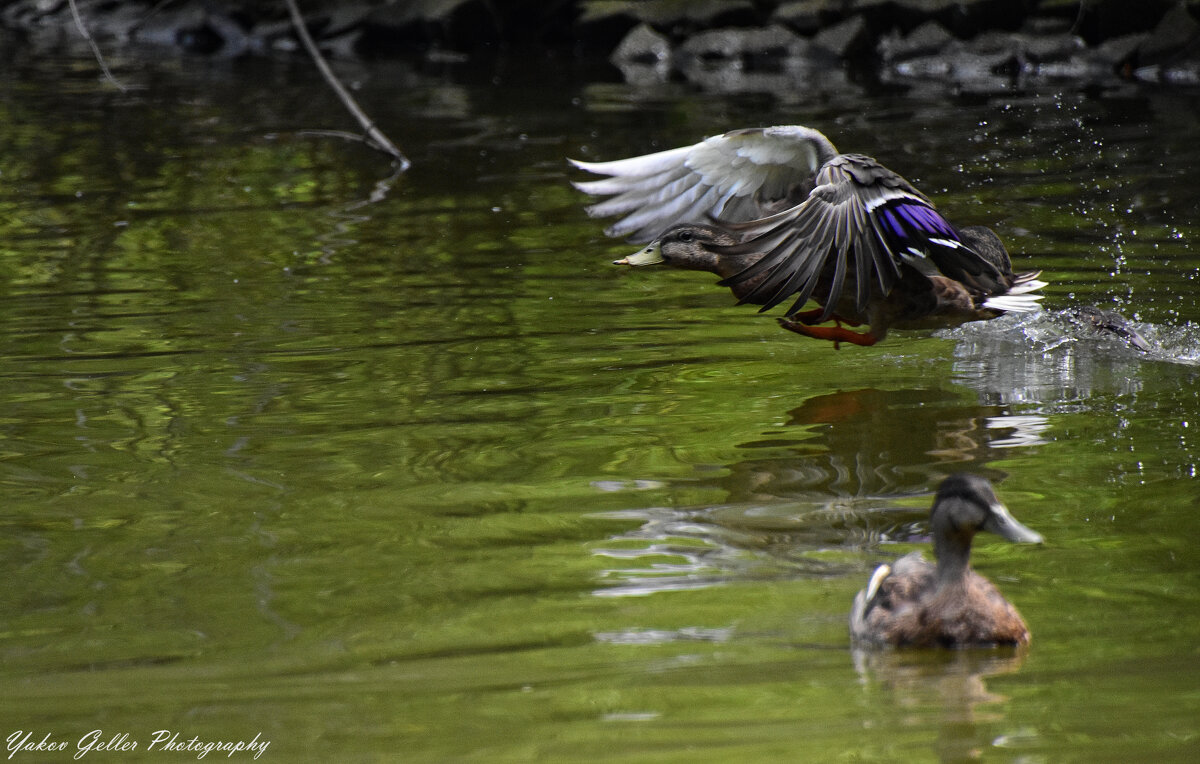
(916, 603)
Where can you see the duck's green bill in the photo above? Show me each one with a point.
(648, 255)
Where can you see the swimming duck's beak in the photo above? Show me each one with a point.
(1004, 524)
(649, 255)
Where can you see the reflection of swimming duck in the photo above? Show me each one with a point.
(915, 603)
(804, 220)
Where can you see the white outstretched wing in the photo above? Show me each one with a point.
(735, 177)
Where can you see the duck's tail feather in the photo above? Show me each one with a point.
(1019, 297)
(1024, 283)
(1014, 303)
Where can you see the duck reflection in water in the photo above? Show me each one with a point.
(944, 688)
(915, 603)
(866, 447)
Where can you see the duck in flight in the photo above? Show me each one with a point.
(778, 213)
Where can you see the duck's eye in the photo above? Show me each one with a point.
(685, 236)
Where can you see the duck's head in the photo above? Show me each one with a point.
(965, 505)
(684, 246)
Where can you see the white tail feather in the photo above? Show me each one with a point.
(1014, 303)
(1018, 298)
(1027, 287)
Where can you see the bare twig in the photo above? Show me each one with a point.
(348, 101)
(83, 30)
(342, 134)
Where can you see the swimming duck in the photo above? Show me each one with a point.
(804, 220)
(915, 603)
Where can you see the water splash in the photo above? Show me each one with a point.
(1057, 360)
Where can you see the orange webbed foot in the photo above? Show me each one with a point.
(835, 334)
(810, 317)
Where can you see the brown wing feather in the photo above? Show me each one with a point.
(836, 240)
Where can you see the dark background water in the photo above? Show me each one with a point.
(426, 476)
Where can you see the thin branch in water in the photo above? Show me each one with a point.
(83, 30)
(376, 135)
(342, 134)
(382, 188)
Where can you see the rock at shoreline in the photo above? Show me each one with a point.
(976, 41)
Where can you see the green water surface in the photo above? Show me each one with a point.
(411, 473)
